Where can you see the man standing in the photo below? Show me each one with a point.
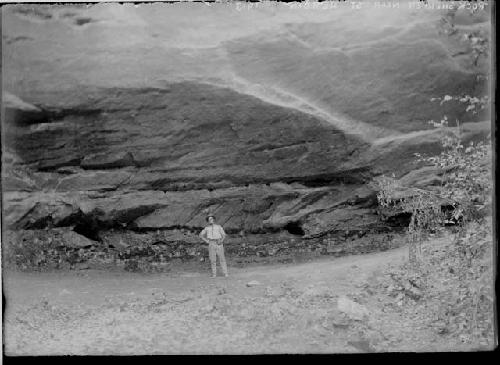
(214, 235)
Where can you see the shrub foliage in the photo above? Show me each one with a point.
(462, 270)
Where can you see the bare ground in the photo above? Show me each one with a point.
(293, 309)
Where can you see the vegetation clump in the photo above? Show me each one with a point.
(456, 278)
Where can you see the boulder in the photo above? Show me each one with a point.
(345, 218)
(352, 309)
(75, 240)
(253, 283)
(414, 293)
(62, 237)
(30, 213)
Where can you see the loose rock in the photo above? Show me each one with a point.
(352, 309)
(253, 283)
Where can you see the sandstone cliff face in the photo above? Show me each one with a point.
(167, 156)
(113, 121)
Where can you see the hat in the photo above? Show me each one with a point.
(210, 215)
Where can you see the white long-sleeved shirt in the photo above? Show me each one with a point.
(213, 232)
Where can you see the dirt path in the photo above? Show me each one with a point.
(293, 309)
(94, 286)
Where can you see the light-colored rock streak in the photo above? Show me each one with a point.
(278, 96)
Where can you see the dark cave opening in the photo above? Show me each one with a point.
(400, 220)
(294, 228)
(88, 227)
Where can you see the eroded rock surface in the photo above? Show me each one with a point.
(275, 130)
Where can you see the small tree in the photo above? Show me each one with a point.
(467, 169)
(464, 301)
(466, 184)
(423, 205)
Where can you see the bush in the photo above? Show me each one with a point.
(466, 185)
(463, 270)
